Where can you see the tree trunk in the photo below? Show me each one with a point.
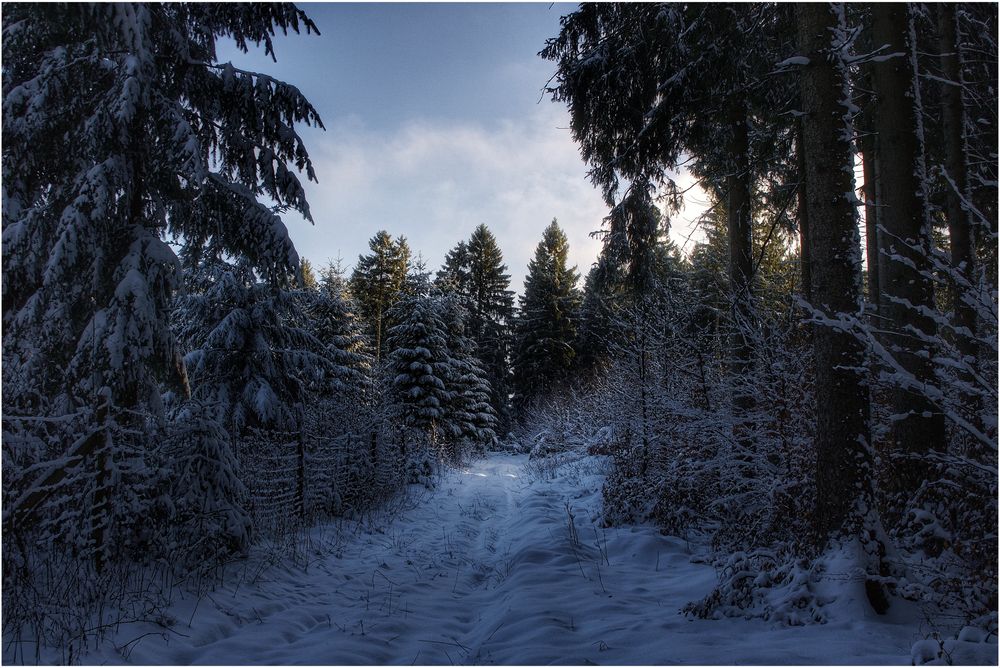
(378, 334)
(740, 259)
(960, 231)
(906, 233)
(844, 473)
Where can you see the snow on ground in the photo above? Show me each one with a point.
(501, 563)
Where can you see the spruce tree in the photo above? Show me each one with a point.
(418, 366)
(330, 316)
(121, 129)
(475, 274)
(453, 277)
(601, 316)
(418, 278)
(250, 361)
(378, 283)
(333, 280)
(845, 498)
(308, 281)
(906, 281)
(470, 413)
(546, 326)
(491, 307)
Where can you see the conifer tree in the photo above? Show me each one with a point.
(332, 317)
(475, 274)
(453, 276)
(418, 278)
(309, 281)
(419, 365)
(208, 498)
(491, 307)
(631, 74)
(546, 326)
(600, 315)
(329, 315)
(250, 361)
(907, 288)
(845, 499)
(377, 284)
(470, 413)
(121, 128)
(333, 280)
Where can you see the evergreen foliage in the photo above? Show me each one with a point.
(378, 283)
(472, 413)
(438, 385)
(250, 362)
(547, 323)
(601, 315)
(418, 366)
(122, 130)
(453, 277)
(309, 281)
(164, 410)
(475, 274)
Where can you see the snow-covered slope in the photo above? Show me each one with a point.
(501, 563)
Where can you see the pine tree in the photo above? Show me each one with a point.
(845, 499)
(454, 275)
(419, 366)
(121, 129)
(250, 361)
(546, 326)
(470, 412)
(378, 283)
(907, 287)
(475, 274)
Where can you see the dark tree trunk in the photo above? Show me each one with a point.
(960, 231)
(844, 474)
(905, 223)
(740, 258)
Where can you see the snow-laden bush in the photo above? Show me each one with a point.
(205, 492)
(762, 583)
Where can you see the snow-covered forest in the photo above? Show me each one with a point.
(775, 445)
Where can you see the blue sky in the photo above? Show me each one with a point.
(434, 124)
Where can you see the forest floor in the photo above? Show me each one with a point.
(503, 562)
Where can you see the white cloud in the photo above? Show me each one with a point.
(435, 181)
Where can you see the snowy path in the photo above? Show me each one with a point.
(484, 570)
